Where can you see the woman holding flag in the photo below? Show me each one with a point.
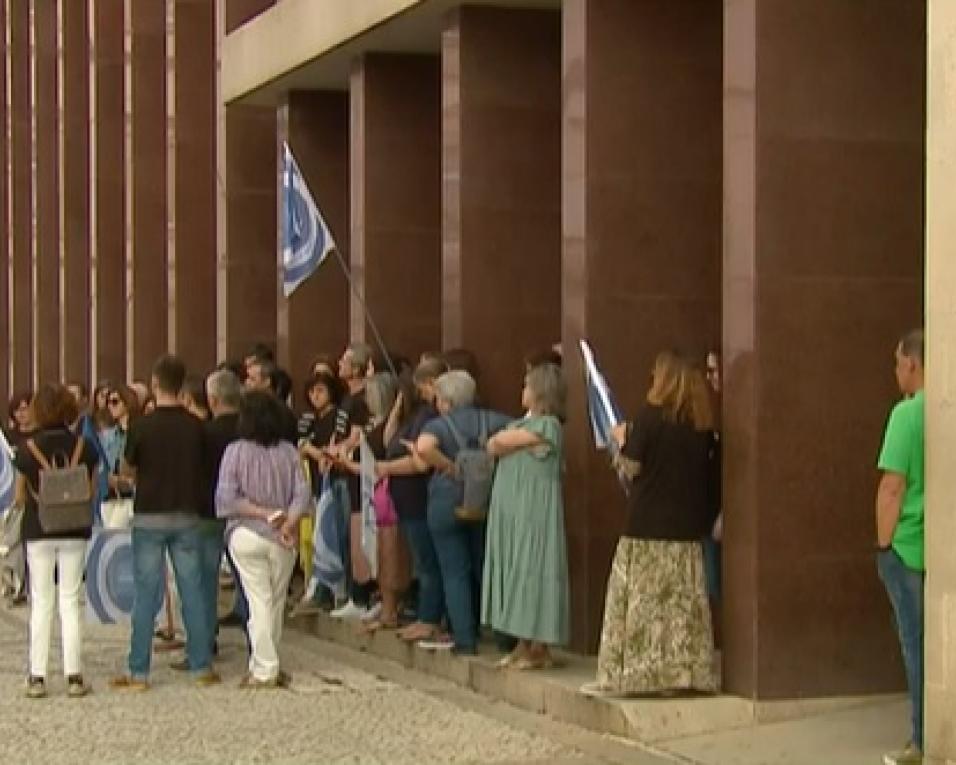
(657, 623)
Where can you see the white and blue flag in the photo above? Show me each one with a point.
(306, 240)
(8, 474)
(602, 408)
(328, 541)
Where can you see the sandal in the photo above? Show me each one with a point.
(370, 628)
(418, 631)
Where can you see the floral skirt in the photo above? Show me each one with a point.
(657, 627)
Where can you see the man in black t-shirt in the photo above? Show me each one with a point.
(165, 454)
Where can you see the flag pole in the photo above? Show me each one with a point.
(368, 314)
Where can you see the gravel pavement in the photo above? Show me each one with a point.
(334, 713)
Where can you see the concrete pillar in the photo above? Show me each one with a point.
(501, 189)
(46, 234)
(823, 240)
(315, 318)
(641, 232)
(940, 724)
(396, 199)
(194, 280)
(21, 317)
(109, 190)
(75, 136)
(150, 216)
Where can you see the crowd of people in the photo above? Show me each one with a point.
(469, 502)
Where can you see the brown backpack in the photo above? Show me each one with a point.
(65, 496)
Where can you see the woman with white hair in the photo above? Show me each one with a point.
(459, 541)
(525, 592)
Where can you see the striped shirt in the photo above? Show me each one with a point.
(266, 476)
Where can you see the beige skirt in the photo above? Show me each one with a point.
(657, 626)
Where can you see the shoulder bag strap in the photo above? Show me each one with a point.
(42, 461)
(455, 433)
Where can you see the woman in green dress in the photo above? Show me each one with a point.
(525, 583)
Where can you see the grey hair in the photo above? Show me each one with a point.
(361, 356)
(912, 346)
(380, 392)
(548, 389)
(225, 386)
(457, 387)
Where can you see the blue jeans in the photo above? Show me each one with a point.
(149, 567)
(431, 596)
(461, 555)
(905, 589)
(210, 558)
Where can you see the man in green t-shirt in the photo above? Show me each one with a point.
(899, 527)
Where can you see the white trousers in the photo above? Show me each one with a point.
(68, 557)
(265, 568)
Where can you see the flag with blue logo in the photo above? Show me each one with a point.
(109, 576)
(306, 240)
(369, 519)
(328, 539)
(8, 474)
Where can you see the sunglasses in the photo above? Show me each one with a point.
(114, 401)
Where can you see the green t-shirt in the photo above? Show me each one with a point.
(903, 453)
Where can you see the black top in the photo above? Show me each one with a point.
(672, 498)
(167, 448)
(55, 443)
(320, 430)
(409, 492)
(356, 408)
(220, 432)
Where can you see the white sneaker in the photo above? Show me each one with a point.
(373, 613)
(349, 611)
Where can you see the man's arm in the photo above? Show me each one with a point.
(889, 501)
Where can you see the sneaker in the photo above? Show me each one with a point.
(908, 755)
(127, 683)
(36, 687)
(77, 689)
(250, 683)
(441, 643)
(349, 611)
(373, 613)
(207, 678)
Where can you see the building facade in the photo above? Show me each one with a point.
(764, 178)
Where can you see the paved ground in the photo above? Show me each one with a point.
(335, 713)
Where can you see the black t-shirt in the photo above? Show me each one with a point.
(672, 497)
(320, 431)
(55, 443)
(355, 406)
(220, 432)
(167, 448)
(409, 492)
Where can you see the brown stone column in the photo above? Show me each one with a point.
(195, 267)
(46, 242)
(250, 279)
(109, 190)
(823, 220)
(75, 131)
(21, 345)
(501, 141)
(641, 221)
(150, 219)
(5, 252)
(396, 199)
(315, 318)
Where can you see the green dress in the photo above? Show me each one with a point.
(525, 581)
